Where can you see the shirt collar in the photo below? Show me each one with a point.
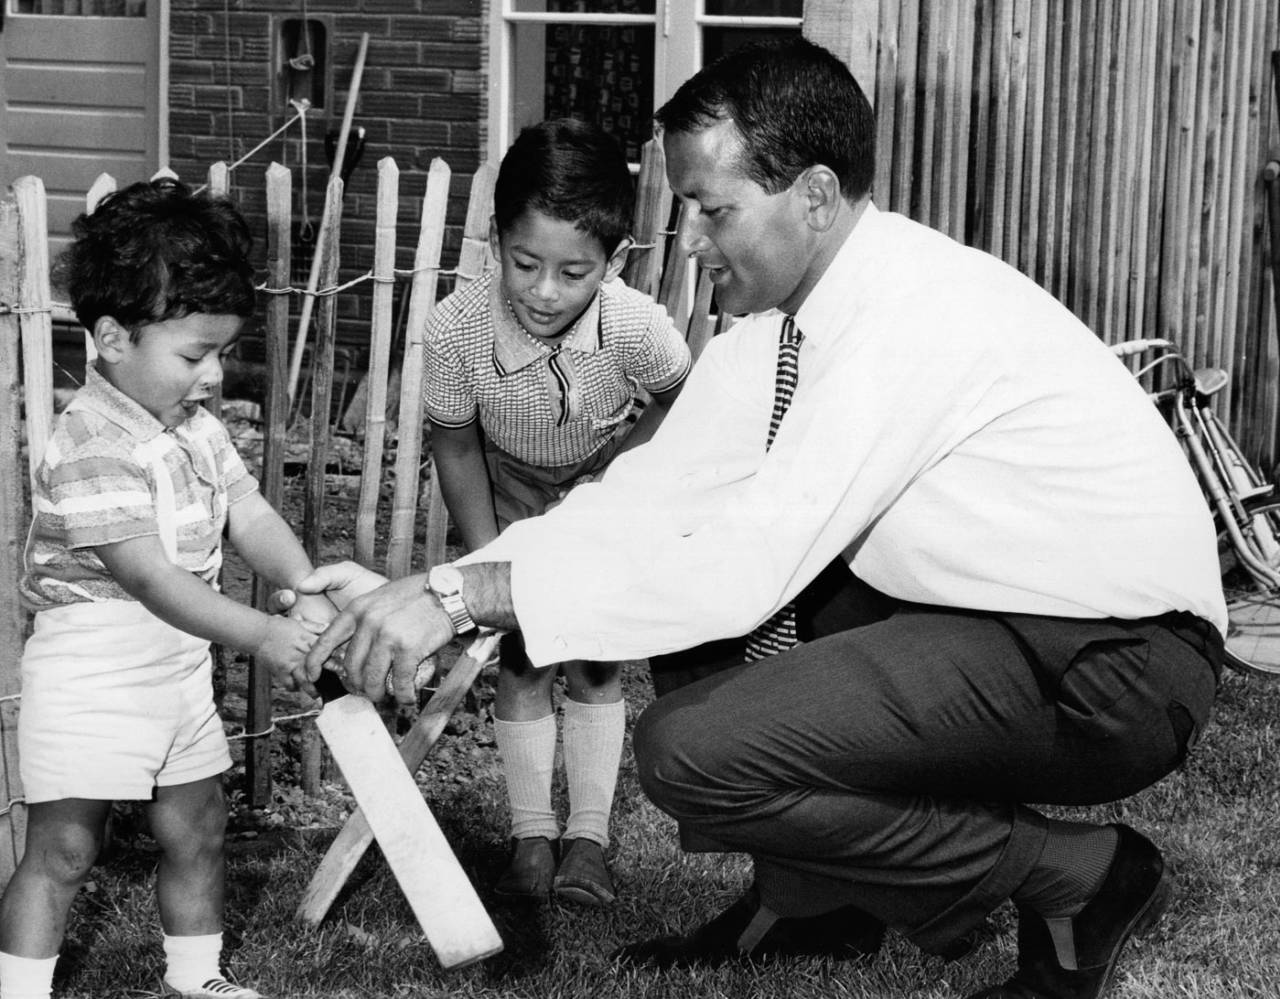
(99, 396)
(826, 308)
(514, 349)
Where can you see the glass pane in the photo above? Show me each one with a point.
(597, 73)
(83, 8)
(585, 6)
(756, 8)
(717, 41)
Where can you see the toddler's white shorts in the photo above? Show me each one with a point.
(114, 704)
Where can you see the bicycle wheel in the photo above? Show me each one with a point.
(1253, 633)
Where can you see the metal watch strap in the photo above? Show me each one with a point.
(456, 608)
(449, 593)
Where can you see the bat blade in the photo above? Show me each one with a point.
(355, 837)
(438, 891)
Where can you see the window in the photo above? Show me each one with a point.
(83, 8)
(611, 61)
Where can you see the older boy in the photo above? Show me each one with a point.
(533, 378)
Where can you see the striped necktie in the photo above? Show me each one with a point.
(779, 632)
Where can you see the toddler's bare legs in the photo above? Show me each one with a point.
(188, 822)
(63, 840)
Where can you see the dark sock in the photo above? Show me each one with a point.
(1070, 870)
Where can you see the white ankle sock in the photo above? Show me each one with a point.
(26, 977)
(593, 735)
(191, 961)
(528, 751)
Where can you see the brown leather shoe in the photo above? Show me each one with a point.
(1076, 958)
(583, 876)
(532, 867)
(746, 932)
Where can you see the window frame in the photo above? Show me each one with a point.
(678, 26)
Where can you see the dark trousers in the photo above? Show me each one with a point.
(888, 762)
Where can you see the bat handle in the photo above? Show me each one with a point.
(329, 686)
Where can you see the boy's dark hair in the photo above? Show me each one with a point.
(570, 170)
(795, 105)
(154, 251)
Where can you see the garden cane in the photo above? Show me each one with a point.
(392, 808)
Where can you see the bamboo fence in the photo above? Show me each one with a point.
(1113, 150)
(27, 408)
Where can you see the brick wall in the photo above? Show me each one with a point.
(421, 96)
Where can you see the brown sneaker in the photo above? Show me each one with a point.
(583, 876)
(533, 865)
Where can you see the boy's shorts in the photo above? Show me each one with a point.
(521, 490)
(114, 704)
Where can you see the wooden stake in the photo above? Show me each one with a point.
(13, 528)
(322, 377)
(279, 184)
(653, 207)
(1031, 209)
(929, 170)
(980, 221)
(1236, 341)
(886, 92)
(1164, 120)
(1107, 182)
(1148, 123)
(1014, 154)
(36, 322)
(1173, 263)
(904, 119)
(375, 418)
(1051, 197)
(963, 102)
(335, 172)
(422, 300)
(475, 257)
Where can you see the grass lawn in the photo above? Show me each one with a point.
(1216, 820)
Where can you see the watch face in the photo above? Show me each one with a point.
(445, 579)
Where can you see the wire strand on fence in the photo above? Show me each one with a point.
(303, 106)
(276, 721)
(9, 309)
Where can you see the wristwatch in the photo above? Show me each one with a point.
(445, 581)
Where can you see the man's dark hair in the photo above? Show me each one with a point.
(155, 251)
(795, 105)
(570, 170)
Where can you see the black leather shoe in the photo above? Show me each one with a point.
(1076, 958)
(746, 932)
(532, 868)
(583, 876)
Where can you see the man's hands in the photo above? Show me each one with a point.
(389, 628)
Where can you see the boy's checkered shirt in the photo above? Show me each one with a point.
(548, 405)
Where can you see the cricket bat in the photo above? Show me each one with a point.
(355, 837)
(442, 898)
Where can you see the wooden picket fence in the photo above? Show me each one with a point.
(1117, 151)
(27, 407)
(1113, 150)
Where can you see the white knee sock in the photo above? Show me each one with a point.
(191, 961)
(26, 977)
(593, 736)
(528, 751)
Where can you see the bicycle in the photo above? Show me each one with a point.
(1245, 506)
